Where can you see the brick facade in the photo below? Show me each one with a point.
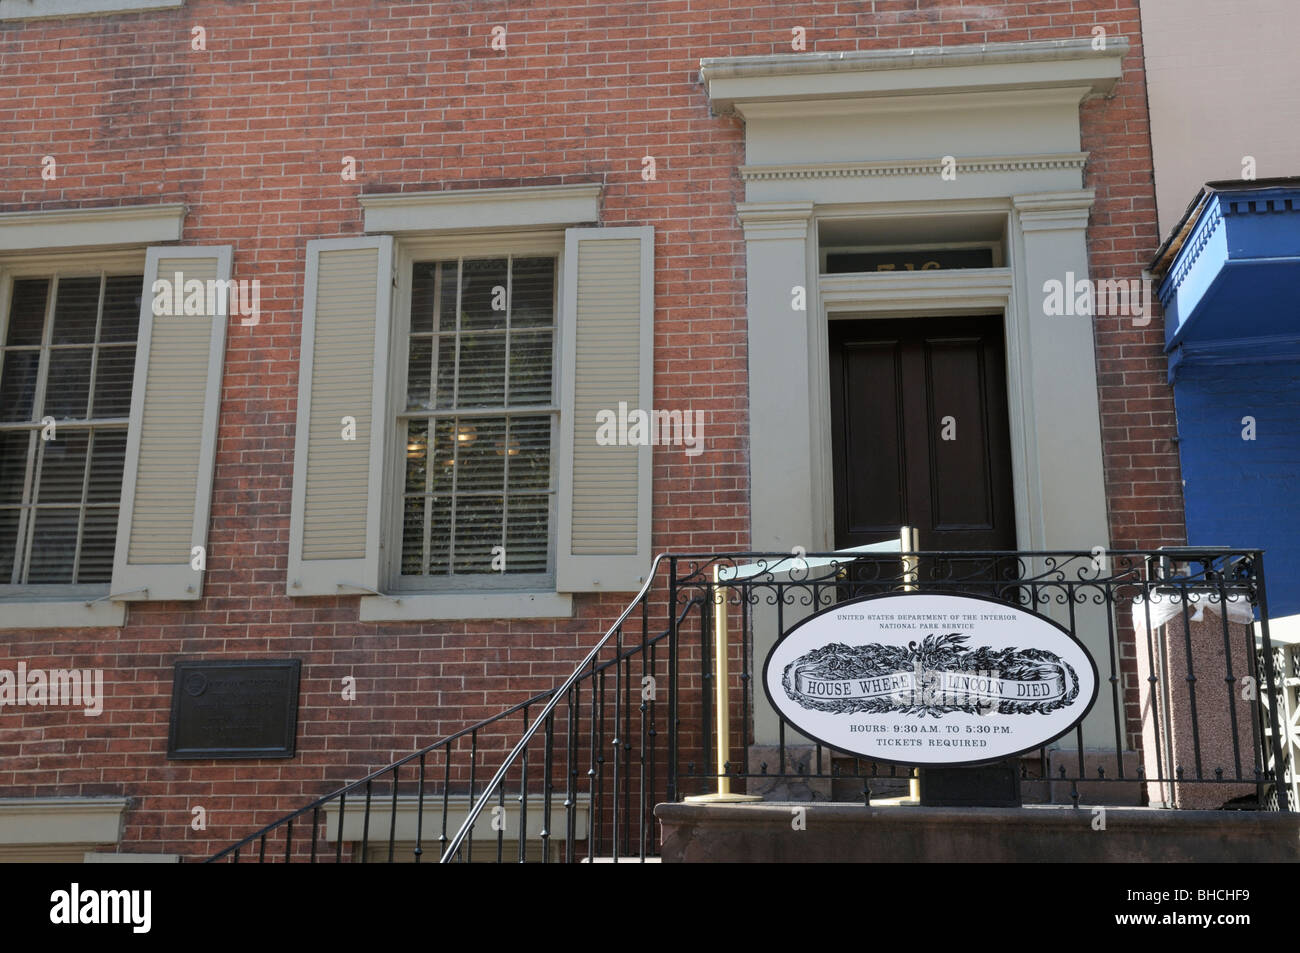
(251, 134)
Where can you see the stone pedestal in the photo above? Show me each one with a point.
(851, 833)
(1192, 643)
(800, 761)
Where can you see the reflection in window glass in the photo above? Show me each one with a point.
(68, 357)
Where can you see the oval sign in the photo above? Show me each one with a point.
(923, 679)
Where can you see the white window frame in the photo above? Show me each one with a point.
(49, 605)
(532, 596)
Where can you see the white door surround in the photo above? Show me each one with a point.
(901, 136)
(869, 135)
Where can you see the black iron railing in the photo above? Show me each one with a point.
(589, 792)
(1177, 726)
(573, 773)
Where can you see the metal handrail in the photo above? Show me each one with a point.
(454, 845)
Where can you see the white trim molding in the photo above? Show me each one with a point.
(62, 614)
(457, 806)
(104, 857)
(91, 227)
(50, 9)
(545, 206)
(733, 81)
(932, 293)
(1054, 211)
(413, 607)
(47, 821)
(926, 167)
(775, 221)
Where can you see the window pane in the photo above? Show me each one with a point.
(447, 303)
(482, 285)
(417, 455)
(478, 529)
(121, 321)
(423, 288)
(8, 539)
(440, 480)
(18, 384)
(482, 370)
(532, 292)
(27, 312)
(97, 538)
(529, 453)
(419, 370)
(530, 367)
(54, 545)
(14, 447)
(68, 386)
(62, 468)
(526, 549)
(439, 535)
(480, 470)
(114, 373)
(445, 344)
(480, 466)
(413, 536)
(107, 458)
(92, 331)
(76, 309)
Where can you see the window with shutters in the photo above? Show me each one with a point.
(491, 354)
(67, 362)
(478, 423)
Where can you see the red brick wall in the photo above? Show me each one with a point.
(250, 135)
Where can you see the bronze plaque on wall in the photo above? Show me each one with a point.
(234, 709)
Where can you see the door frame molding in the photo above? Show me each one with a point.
(867, 135)
(1052, 399)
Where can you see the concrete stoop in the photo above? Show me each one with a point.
(772, 832)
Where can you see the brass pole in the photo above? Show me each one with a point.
(909, 541)
(722, 700)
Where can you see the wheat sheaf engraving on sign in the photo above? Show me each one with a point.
(939, 674)
(919, 678)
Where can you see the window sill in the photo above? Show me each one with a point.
(415, 607)
(48, 821)
(66, 614)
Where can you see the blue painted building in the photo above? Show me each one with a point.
(1229, 281)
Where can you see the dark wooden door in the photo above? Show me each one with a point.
(920, 435)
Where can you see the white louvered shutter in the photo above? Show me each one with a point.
(334, 524)
(607, 329)
(172, 438)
